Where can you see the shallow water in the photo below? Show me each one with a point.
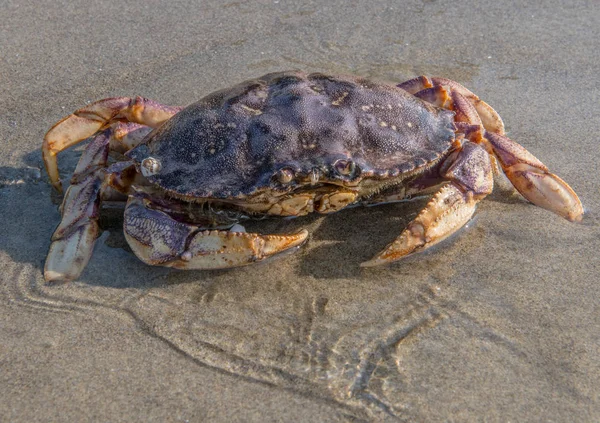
(498, 323)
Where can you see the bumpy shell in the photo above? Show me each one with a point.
(235, 142)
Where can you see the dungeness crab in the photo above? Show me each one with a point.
(284, 144)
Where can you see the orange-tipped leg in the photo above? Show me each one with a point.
(455, 95)
(481, 124)
(86, 121)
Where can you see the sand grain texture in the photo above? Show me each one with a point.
(501, 323)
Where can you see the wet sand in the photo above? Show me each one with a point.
(500, 323)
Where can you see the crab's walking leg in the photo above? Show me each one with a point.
(451, 95)
(86, 121)
(125, 136)
(73, 240)
(158, 239)
(470, 174)
(527, 174)
(533, 179)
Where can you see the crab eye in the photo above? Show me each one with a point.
(345, 167)
(150, 166)
(285, 175)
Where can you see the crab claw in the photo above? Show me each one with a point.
(224, 249)
(469, 172)
(158, 239)
(533, 179)
(546, 190)
(449, 210)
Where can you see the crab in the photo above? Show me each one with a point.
(284, 144)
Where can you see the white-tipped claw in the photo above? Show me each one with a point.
(533, 179)
(275, 244)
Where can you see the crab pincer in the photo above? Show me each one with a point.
(470, 174)
(158, 239)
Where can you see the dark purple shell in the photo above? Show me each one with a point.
(234, 141)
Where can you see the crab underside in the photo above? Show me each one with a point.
(368, 142)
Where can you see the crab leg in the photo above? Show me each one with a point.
(452, 95)
(527, 174)
(86, 121)
(74, 238)
(470, 174)
(127, 135)
(533, 179)
(158, 239)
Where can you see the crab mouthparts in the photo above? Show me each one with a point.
(314, 175)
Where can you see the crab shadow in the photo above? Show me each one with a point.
(337, 244)
(345, 239)
(29, 215)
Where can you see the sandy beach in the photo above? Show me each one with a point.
(499, 323)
